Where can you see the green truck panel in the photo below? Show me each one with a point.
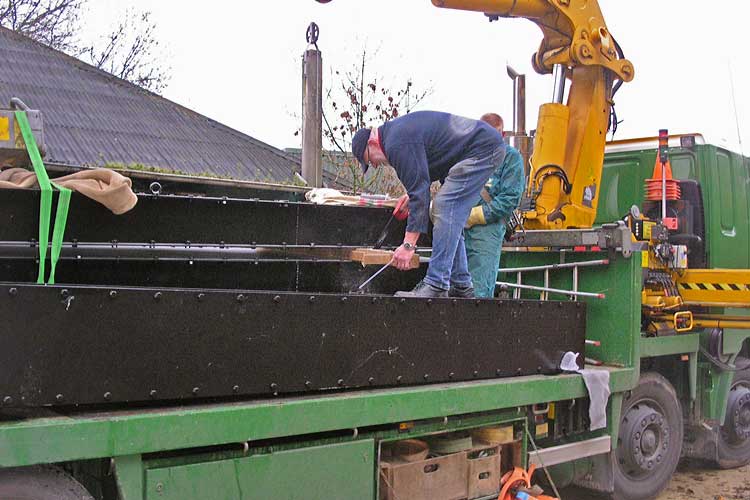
(338, 471)
(722, 175)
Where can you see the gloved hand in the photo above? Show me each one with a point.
(476, 217)
(401, 210)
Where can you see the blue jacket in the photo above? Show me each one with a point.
(424, 145)
(505, 188)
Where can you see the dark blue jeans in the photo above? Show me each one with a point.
(451, 207)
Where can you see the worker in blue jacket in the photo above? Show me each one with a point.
(487, 222)
(423, 147)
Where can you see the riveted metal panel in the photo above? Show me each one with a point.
(202, 220)
(136, 344)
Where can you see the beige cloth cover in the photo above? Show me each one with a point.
(103, 185)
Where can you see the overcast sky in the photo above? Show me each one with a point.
(239, 61)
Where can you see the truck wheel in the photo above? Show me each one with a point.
(40, 482)
(650, 439)
(734, 435)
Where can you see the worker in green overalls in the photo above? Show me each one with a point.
(485, 228)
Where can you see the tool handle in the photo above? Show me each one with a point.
(401, 210)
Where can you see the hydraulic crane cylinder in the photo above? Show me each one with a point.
(549, 155)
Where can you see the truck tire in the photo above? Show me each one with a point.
(733, 442)
(40, 482)
(649, 442)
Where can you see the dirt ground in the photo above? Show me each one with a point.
(696, 481)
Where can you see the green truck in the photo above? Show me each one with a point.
(98, 403)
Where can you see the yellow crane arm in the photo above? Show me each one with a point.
(566, 165)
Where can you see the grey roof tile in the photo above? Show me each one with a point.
(92, 118)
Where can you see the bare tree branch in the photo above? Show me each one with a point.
(129, 51)
(51, 22)
(355, 100)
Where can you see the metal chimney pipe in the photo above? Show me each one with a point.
(519, 139)
(519, 101)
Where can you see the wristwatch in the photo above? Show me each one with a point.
(408, 246)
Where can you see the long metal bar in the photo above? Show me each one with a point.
(663, 191)
(571, 451)
(517, 291)
(181, 251)
(565, 265)
(552, 290)
(375, 275)
(718, 323)
(722, 317)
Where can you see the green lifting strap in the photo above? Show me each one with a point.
(45, 206)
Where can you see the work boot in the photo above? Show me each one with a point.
(424, 290)
(462, 292)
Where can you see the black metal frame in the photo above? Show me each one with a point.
(188, 298)
(83, 345)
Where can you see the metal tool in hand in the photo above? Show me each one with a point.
(398, 214)
(360, 287)
(384, 233)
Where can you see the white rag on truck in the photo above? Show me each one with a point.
(328, 196)
(597, 385)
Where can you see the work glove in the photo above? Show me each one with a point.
(476, 217)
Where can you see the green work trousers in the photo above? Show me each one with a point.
(484, 242)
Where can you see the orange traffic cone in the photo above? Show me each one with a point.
(653, 185)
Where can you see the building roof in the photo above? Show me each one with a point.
(337, 176)
(92, 118)
(333, 176)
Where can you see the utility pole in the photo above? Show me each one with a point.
(312, 110)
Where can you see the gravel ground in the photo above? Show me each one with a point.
(695, 481)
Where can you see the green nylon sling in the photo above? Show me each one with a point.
(45, 205)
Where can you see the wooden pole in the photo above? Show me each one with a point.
(312, 118)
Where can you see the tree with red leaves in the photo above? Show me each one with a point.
(354, 100)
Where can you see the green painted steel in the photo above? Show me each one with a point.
(715, 385)
(724, 177)
(338, 471)
(652, 347)
(129, 476)
(616, 320)
(614, 412)
(693, 376)
(733, 338)
(47, 440)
